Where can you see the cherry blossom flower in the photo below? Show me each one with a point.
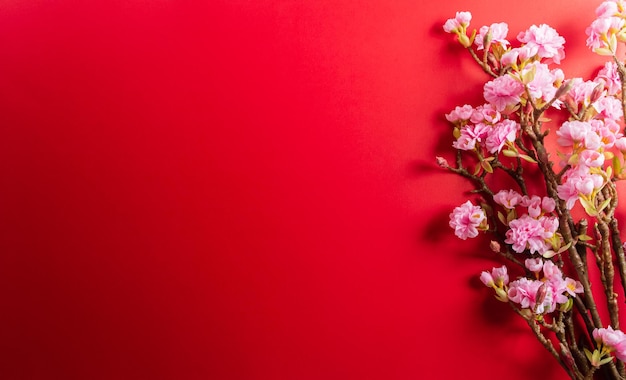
(507, 198)
(460, 22)
(542, 84)
(503, 92)
(460, 113)
(607, 9)
(610, 77)
(530, 233)
(534, 265)
(498, 277)
(498, 32)
(601, 35)
(485, 113)
(503, 132)
(578, 181)
(609, 107)
(614, 340)
(471, 135)
(573, 132)
(487, 279)
(548, 42)
(466, 219)
(591, 158)
(581, 91)
(532, 294)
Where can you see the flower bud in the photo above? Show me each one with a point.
(495, 246)
(487, 279)
(541, 294)
(442, 162)
(567, 306)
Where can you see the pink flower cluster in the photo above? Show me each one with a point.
(498, 277)
(545, 41)
(497, 33)
(543, 294)
(606, 30)
(535, 230)
(459, 23)
(589, 139)
(482, 126)
(467, 219)
(613, 340)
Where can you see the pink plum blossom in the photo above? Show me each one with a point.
(460, 22)
(485, 113)
(530, 233)
(503, 132)
(578, 181)
(534, 265)
(601, 34)
(573, 132)
(615, 340)
(503, 92)
(551, 271)
(591, 158)
(610, 77)
(498, 35)
(609, 107)
(487, 279)
(460, 113)
(507, 198)
(521, 54)
(534, 205)
(607, 9)
(500, 276)
(466, 219)
(548, 42)
(573, 287)
(542, 84)
(471, 135)
(548, 204)
(582, 91)
(532, 294)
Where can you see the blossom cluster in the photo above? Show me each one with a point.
(609, 28)
(547, 291)
(541, 233)
(611, 340)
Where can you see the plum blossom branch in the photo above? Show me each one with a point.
(540, 230)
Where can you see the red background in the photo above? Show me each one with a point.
(239, 189)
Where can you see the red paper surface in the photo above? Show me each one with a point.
(247, 190)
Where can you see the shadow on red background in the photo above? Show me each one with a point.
(245, 190)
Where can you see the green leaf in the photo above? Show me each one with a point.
(549, 254)
(510, 153)
(477, 169)
(510, 216)
(528, 158)
(606, 360)
(583, 237)
(590, 209)
(502, 219)
(617, 165)
(566, 246)
(487, 166)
